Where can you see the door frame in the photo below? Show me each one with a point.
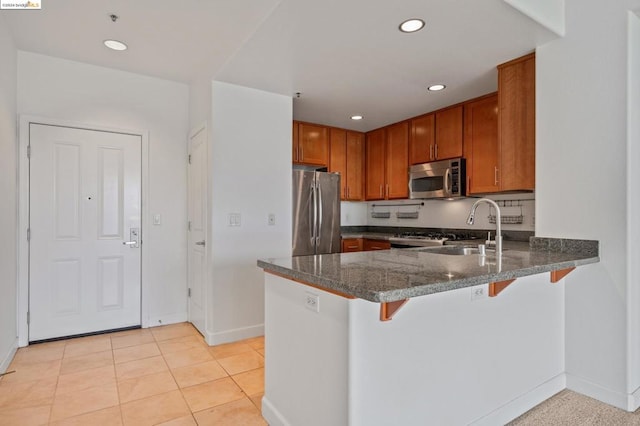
(23, 214)
(205, 293)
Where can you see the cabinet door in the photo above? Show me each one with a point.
(351, 244)
(397, 175)
(481, 145)
(375, 165)
(516, 121)
(369, 245)
(355, 166)
(449, 133)
(314, 144)
(338, 158)
(421, 142)
(295, 144)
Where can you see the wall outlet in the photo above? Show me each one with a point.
(272, 219)
(480, 292)
(312, 302)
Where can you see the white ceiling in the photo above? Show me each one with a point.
(345, 56)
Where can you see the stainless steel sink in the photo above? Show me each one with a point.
(451, 250)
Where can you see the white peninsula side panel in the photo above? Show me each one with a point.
(306, 355)
(442, 359)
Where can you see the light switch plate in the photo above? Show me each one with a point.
(157, 219)
(234, 219)
(272, 219)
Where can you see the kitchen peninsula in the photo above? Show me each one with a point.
(409, 337)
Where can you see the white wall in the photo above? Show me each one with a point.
(251, 175)
(633, 210)
(199, 102)
(8, 206)
(581, 191)
(58, 88)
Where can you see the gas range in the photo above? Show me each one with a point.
(420, 239)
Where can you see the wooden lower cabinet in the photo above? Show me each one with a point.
(363, 244)
(369, 245)
(352, 244)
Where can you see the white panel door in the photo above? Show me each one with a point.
(197, 228)
(84, 213)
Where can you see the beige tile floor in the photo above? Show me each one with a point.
(158, 376)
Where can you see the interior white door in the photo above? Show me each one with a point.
(84, 208)
(197, 269)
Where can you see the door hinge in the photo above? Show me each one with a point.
(28, 317)
(28, 234)
(189, 158)
(189, 292)
(189, 226)
(28, 151)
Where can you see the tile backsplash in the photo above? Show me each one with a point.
(440, 213)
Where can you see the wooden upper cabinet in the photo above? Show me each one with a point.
(295, 144)
(313, 144)
(481, 144)
(347, 158)
(397, 161)
(422, 139)
(338, 157)
(516, 124)
(375, 165)
(355, 166)
(449, 133)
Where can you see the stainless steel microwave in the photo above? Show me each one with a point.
(438, 179)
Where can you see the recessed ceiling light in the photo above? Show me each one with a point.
(356, 117)
(115, 45)
(436, 87)
(411, 25)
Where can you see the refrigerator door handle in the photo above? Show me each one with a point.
(319, 215)
(314, 213)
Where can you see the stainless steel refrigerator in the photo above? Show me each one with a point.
(316, 212)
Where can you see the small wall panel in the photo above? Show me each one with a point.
(111, 193)
(110, 283)
(66, 191)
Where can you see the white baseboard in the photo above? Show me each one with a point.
(234, 335)
(634, 401)
(608, 396)
(523, 403)
(6, 361)
(161, 320)
(271, 415)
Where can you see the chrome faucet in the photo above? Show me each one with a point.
(498, 238)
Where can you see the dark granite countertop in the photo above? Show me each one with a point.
(396, 274)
